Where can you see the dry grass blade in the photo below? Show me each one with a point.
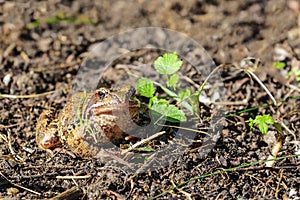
(73, 177)
(143, 141)
(262, 85)
(25, 96)
(19, 186)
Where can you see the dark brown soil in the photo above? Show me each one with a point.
(44, 43)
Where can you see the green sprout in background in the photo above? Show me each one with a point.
(294, 72)
(59, 18)
(279, 65)
(262, 122)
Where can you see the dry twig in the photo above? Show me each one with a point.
(19, 186)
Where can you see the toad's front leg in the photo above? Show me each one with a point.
(47, 136)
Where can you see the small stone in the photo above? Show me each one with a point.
(12, 191)
(44, 44)
(7, 79)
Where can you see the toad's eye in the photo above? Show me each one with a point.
(102, 93)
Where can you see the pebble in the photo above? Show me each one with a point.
(44, 44)
(7, 79)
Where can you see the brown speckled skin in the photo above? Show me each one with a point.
(88, 120)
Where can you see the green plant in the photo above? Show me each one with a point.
(61, 17)
(262, 122)
(279, 65)
(167, 65)
(294, 72)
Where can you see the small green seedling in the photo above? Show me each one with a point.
(262, 122)
(294, 72)
(167, 65)
(279, 65)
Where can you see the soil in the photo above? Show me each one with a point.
(43, 44)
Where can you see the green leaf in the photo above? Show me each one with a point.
(145, 87)
(261, 121)
(279, 65)
(192, 100)
(294, 72)
(167, 64)
(160, 101)
(251, 123)
(264, 119)
(173, 81)
(184, 93)
(188, 101)
(33, 24)
(168, 91)
(263, 128)
(173, 113)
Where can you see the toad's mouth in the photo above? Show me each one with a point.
(113, 109)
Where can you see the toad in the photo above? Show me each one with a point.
(89, 120)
